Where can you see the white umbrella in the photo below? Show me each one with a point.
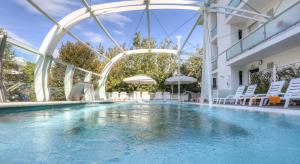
(140, 79)
(183, 80)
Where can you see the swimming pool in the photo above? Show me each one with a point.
(147, 133)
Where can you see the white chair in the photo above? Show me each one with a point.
(136, 95)
(167, 96)
(239, 92)
(184, 97)
(115, 96)
(250, 92)
(292, 93)
(158, 96)
(274, 90)
(146, 96)
(123, 96)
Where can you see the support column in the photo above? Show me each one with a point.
(68, 81)
(206, 91)
(88, 91)
(2, 88)
(41, 74)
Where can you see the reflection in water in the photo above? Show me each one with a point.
(156, 122)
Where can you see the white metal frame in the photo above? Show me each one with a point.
(63, 27)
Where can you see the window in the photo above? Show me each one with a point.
(240, 32)
(270, 65)
(240, 77)
(214, 82)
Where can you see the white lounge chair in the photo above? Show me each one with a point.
(146, 96)
(292, 93)
(115, 96)
(123, 96)
(274, 90)
(167, 96)
(158, 96)
(250, 92)
(239, 92)
(136, 95)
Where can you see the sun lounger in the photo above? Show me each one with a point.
(146, 96)
(248, 94)
(123, 96)
(167, 96)
(115, 96)
(158, 96)
(292, 93)
(239, 92)
(274, 90)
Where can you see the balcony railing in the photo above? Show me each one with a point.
(214, 32)
(233, 3)
(290, 17)
(214, 63)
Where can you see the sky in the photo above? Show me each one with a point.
(25, 24)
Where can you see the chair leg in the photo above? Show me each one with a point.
(224, 101)
(261, 101)
(250, 101)
(236, 101)
(287, 102)
(244, 101)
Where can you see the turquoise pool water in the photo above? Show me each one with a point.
(147, 133)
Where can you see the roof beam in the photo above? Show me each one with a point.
(100, 24)
(64, 29)
(148, 22)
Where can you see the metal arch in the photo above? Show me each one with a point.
(118, 57)
(56, 33)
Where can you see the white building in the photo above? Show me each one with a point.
(243, 46)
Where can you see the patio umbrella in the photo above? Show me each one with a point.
(183, 80)
(140, 79)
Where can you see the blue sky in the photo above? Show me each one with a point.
(24, 23)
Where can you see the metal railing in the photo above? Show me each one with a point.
(288, 18)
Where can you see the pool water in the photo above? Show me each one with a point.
(147, 133)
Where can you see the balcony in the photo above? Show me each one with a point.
(289, 18)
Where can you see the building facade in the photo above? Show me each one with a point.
(241, 47)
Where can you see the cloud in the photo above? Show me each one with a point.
(116, 18)
(118, 32)
(93, 37)
(52, 7)
(18, 38)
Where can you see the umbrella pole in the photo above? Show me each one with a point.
(178, 39)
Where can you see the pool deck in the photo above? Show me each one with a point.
(268, 109)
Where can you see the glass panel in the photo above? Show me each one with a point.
(18, 74)
(56, 81)
(214, 32)
(234, 3)
(214, 64)
(234, 51)
(254, 38)
(283, 21)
